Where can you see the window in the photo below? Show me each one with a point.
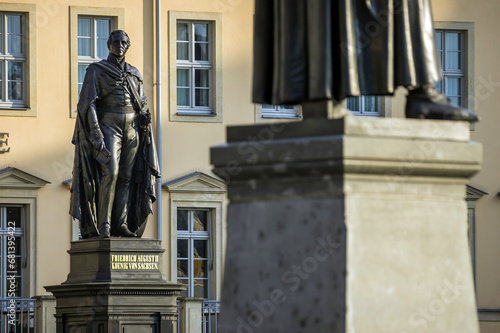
(197, 231)
(193, 251)
(195, 67)
(93, 33)
(280, 111)
(90, 28)
(17, 60)
(365, 105)
(450, 47)
(12, 253)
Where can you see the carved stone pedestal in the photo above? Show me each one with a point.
(348, 225)
(116, 285)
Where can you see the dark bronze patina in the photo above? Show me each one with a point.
(307, 52)
(116, 164)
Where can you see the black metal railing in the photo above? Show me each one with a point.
(210, 316)
(17, 315)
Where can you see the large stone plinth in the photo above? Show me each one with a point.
(350, 225)
(116, 285)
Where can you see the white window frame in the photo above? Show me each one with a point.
(459, 73)
(87, 60)
(362, 110)
(191, 236)
(192, 65)
(468, 31)
(213, 113)
(5, 58)
(118, 16)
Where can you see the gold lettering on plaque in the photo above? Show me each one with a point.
(134, 262)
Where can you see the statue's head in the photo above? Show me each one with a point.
(118, 43)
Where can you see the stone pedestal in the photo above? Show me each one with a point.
(116, 285)
(348, 225)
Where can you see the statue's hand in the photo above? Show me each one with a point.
(145, 119)
(97, 139)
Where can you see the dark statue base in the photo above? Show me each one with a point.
(116, 285)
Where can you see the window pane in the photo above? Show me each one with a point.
(183, 77)
(182, 268)
(81, 75)
(453, 60)
(15, 71)
(102, 48)
(14, 215)
(84, 47)
(439, 42)
(182, 51)
(15, 91)
(182, 248)
(201, 78)
(182, 220)
(14, 24)
(439, 86)
(200, 288)
(353, 103)
(14, 44)
(183, 96)
(453, 86)
(182, 31)
(201, 97)
(370, 104)
(456, 100)
(200, 218)
(201, 32)
(103, 28)
(268, 106)
(286, 107)
(201, 51)
(84, 27)
(453, 41)
(200, 268)
(200, 248)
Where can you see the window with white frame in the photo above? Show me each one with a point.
(194, 68)
(93, 33)
(194, 251)
(365, 105)
(12, 253)
(450, 46)
(13, 50)
(279, 111)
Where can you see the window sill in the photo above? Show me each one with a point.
(196, 117)
(17, 112)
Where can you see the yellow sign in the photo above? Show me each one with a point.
(4, 143)
(134, 261)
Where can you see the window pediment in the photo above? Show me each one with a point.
(196, 182)
(13, 178)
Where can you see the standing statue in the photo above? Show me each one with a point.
(308, 51)
(116, 164)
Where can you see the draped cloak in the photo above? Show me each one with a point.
(307, 50)
(98, 82)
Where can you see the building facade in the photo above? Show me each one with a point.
(204, 52)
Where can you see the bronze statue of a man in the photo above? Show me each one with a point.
(116, 165)
(307, 51)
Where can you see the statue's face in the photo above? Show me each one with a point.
(119, 45)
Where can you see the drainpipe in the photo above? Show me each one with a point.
(158, 115)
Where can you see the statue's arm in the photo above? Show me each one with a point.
(96, 136)
(87, 108)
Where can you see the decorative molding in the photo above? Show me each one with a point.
(474, 193)
(13, 178)
(4, 143)
(198, 182)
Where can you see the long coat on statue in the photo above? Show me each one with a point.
(306, 50)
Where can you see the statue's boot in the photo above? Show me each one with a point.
(124, 231)
(104, 230)
(427, 103)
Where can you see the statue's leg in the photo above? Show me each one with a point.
(111, 130)
(130, 145)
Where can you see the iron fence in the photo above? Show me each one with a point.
(17, 315)
(210, 316)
